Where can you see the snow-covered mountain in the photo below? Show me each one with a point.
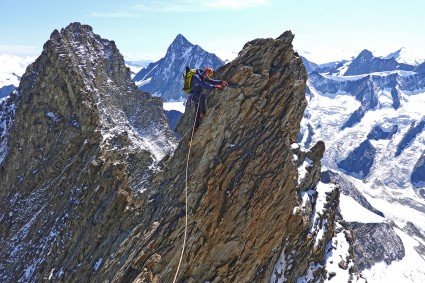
(164, 77)
(369, 112)
(380, 110)
(406, 56)
(366, 63)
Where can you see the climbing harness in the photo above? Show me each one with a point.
(185, 190)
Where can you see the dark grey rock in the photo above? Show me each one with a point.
(375, 242)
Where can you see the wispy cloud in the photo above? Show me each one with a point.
(168, 6)
(177, 6)
(197, 6)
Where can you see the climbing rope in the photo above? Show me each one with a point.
(185, 190)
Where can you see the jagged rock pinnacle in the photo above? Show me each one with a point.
(79, 122)
(85, 197)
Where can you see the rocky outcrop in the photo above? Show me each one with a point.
(92, 191)
(375, 242)
(80, 138)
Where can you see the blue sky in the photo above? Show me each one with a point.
(327, 29)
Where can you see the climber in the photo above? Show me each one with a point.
(202, 79)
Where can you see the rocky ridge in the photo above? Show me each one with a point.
(86, 195)
(75, 121)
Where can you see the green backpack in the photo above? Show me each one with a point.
(187, 79)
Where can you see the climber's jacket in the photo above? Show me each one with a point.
(199, 82)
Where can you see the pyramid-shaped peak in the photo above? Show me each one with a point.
(179, 45)
(366, 53)
(180, 37)
(181, 40)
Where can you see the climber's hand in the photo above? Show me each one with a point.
(224, 83)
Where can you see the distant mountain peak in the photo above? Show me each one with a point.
(366, 63)
(406, 56)
(180, 39)
(163, 78)
(365, 54)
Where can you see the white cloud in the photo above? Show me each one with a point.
(20, 50)
(14, 64)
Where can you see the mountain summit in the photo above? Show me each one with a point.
(406, 56)
(71, 127)
(161, 79)
(366, 63)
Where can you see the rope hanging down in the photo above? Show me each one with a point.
(185, 190)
